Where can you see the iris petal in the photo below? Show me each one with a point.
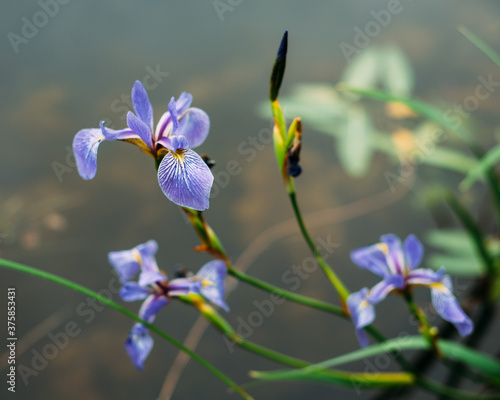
(85, 146)
(149, 277)
(362, 312)
(447, 306)
(142, 105)
(185, 179)
(132, 291)
(164, 126)
(380, 291)
(394, 255)
(213, 275)
(414, 251)
(138, 345)
(151, 306)
(139, 127)
(128, 263)
(194, 125)
(371, 258)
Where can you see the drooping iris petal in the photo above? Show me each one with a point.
(213, 275)
(361, 310)
(394, 254)
(194, 126)
(139, 127)
(380, 291)
(447, 306)
(414, 252)
(85, 146)
(151, 306)
(142, 105)
(132, 291)
(186, 179)
(371, 258)
(121, 134)
(138, 345)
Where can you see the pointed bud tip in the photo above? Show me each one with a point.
(279, 68)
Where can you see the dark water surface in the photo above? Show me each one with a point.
(73, 73)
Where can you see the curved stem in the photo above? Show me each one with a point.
(88, 292)
(332, 276)
(298, 298)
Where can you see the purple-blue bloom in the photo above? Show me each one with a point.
(182, 174)
(157, 290)
(397, 264)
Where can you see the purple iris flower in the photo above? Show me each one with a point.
(397, 264)
(182, 174)
(157, 290)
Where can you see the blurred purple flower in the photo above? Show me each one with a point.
(157, 290)
(397, 264)
(182, 174)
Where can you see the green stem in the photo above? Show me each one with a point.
(332, 276)
(88, 292)
(471, 227)
(307, 301)
(425, 328)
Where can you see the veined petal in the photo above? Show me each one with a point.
(394, 254)
(361, 310)
(151, 306)
(194, 125)
(425, 276)
(128, 263)
(147, 251)
(447, 306)
(380, 291)
(185, 179)
(121, 134)
(138, 345)
(213, 275)
(139, 127)
(85, 146)
(371, 258)
(164, 126)
(142, 105)
(414, 252)
(132, 291)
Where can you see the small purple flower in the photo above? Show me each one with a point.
(157, 290)
(182, 174)
(397, 265)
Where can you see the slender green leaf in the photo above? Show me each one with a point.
(485, 48)
(426, 110)
(482, 362)
(481, 168)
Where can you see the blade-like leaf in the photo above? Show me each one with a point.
(455, 351)
(488, 161)
(485, 48)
